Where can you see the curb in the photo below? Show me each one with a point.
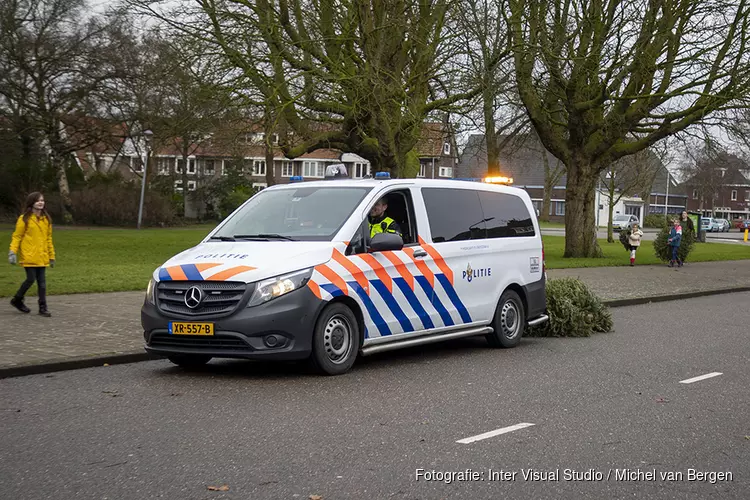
(76, 363)
(678, 296)
(138, 356)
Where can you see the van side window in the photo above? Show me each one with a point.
(506, 215)
(454, 214)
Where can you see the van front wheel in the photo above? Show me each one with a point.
(335, 340)
(509, 322)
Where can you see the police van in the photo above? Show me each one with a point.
(299, 272)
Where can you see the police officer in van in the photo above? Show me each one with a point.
(379, 222)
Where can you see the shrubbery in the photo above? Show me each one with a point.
(108, 200)
(574, 311)
(664, 252)
(654, 220)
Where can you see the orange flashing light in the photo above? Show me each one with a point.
(498, 180)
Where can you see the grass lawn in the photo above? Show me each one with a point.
(551, 225)
(109, 260)
(616, 255)
(102, 259)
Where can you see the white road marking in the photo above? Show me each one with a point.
(494, 433)
(702, 377)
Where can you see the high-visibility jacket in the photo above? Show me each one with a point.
(384, 226)
(32, 241)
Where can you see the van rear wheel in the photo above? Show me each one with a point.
(336, 340)
(509, 322)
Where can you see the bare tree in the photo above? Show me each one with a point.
(347, 74)
(53, 57)
(629, 176)
(482, 31)
(593, 74)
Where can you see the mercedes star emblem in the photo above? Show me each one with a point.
(193, 297)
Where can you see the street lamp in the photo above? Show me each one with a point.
(147, 134)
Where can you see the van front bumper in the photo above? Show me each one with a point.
(280, 329)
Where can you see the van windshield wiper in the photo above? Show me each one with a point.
(264, 236)
(222, 238)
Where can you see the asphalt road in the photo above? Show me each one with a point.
(599, 406)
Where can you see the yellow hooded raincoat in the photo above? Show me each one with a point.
(32, 242)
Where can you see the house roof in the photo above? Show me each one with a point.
(432, 138)
(522, 160)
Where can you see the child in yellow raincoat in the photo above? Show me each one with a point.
(31, 247)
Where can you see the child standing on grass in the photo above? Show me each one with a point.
(675, 237)
(634, 238)
(31, 247)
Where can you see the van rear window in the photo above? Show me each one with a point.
(466, 214)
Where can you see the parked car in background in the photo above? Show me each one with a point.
(624, 222)
(719, 225)
(706, 223)
(743, 224)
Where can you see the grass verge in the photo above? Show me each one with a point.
(616, 255)
(111, 260)
(102, 260)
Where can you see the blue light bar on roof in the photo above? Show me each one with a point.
(296, 178)
(382, 175)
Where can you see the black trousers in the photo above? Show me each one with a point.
(37, 274)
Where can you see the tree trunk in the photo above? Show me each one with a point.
(270, 175)
(64, 187)
(611, 194)
(580, 230)
(185, 184)
(549, 184)
(493, 151)
(610, 226)
(546, 202)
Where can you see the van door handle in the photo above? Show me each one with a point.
(420, 253)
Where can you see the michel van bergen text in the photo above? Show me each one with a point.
(555, 475)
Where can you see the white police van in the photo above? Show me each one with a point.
(294, 274)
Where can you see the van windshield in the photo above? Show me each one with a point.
(301, 214)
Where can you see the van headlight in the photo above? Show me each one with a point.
(150, 291)
(280, 285)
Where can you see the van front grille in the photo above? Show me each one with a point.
(217, 298)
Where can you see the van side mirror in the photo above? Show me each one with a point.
(383, 242)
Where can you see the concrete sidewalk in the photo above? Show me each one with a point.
(92, 329)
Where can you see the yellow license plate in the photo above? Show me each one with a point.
(191, 328)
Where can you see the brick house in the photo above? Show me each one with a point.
(212, 157)
(726, 195)
(523, 160)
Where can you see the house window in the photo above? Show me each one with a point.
(313, 169)
(287, 169)
(191, 166)
(101, 164)
(178, 186)
(136, 163)
(260, 186)
(747, 195)
(163, 165)
(559, 208)
(208, 167)
(695, 194)
(191, 185)
(422, 169)
(361, 169)
(259, 167)
(180, 166)
(223, 167)
(447, 148)
(446, 172)
(734, 195)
